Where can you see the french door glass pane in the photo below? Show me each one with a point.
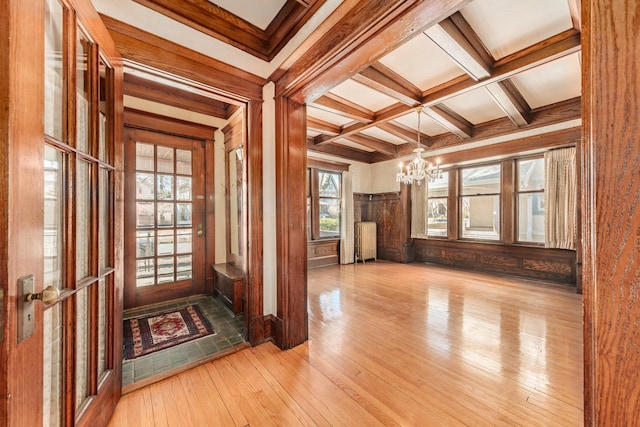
(184, 267)
(83, 92)
(82, 342)
(144, 214)
(144, 186)
(183, 162)
(165, 159)
(165, 242)
(145, 244)
(184, 218)
(83, 218)
(103, 109)
(104, 220)
(102, 327)
(184, 241)
(144, 157)
(165, 187)
(53, 70)
(183, 188)
(53, 208)
(145, 272)
(52, 367)
(165, 270)
(165, 214)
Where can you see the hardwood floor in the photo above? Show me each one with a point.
(394, 344)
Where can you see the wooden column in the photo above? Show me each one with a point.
(291, 159)
(611, 208)
(255, 286)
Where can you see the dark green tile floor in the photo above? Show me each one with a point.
(229, 333)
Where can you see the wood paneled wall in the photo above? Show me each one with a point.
(321, 253)
(391, 212)
(555, 265)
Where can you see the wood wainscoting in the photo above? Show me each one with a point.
(321, 253)
(391, 213)
(557, 265)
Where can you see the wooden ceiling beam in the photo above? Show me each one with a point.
(373, 28)
(337, 105)
(457, 39)
(451, 120)
(511, 101)
(384, 80)
(340, 151)
(404, 132)
(374, 143)
(555, 47)
(545, 116)
(322, 126)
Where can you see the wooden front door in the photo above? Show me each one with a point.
(164, 217)
(61, 144)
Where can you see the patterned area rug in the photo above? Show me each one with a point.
(147, 334)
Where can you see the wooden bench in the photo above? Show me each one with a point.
(228, 283)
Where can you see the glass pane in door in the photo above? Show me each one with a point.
(53, 70)
(82, 343)
(83, 92)
(52, 367)
(52, 319)
(83, 218)
(164, 214)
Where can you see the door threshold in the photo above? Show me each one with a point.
(175, 371)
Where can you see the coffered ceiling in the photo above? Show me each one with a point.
(493, 69)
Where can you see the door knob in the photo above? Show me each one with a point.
(47, 296)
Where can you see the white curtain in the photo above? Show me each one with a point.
(346, 223)
(419, 211)
(560, 198)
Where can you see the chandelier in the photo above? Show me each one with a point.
(418, 169)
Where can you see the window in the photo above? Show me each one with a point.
(437, 193)
(530, 200)
(480, 202)
(323, 203)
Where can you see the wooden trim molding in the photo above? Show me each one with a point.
(153, 51)
(149, 121)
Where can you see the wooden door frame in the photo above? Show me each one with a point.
(21, 215)
(145, 121)
(238, 87)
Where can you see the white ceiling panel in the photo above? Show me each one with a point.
(383, 135)
(363, 95)
(476, 106)
(507, 26)
(259, 13)
(552, 82)
(312, 133)
(352, 144)
(427, 124)
(422, 62)
(327, 116)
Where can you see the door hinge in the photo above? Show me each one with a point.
(202, 144)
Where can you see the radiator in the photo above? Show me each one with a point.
(365, 241)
